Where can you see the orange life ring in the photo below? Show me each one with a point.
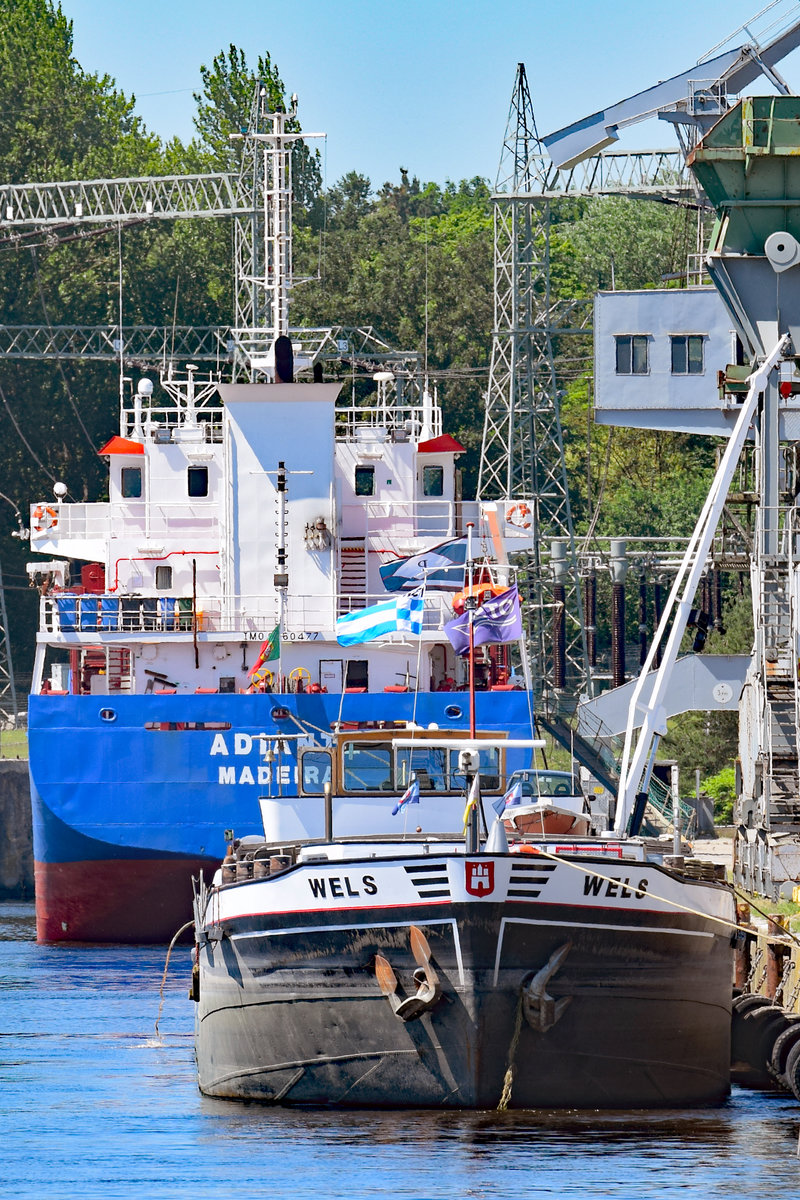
(519, 515)
(481, 591)
(44, 517)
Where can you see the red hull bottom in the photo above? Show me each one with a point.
(116, 900)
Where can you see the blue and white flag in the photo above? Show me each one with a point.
(400, 615)
(441, 567)
(513, 796)
(498, 620)
(411, 796)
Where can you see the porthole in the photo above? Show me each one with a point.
(453, 712)
(108, 714)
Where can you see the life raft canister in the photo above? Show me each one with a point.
(519, 515)
(481, 591)
(44, 517)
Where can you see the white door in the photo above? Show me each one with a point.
(330, 674)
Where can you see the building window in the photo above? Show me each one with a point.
(131, 483)
(687, 354)
(433, 481)
(163, 578)
(632, 354)
(365, 481)
(197, 479)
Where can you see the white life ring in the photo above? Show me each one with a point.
(44, 517)
(519, 515)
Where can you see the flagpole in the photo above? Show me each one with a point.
(472, 832)
(470, 603)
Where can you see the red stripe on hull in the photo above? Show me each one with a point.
(114, 900)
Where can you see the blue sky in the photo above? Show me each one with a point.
(423, 84)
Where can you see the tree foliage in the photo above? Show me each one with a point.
(411, 258)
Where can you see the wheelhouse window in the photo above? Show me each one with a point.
(433, 481)
(436, 769)
(131, 483)
(632, 354)
(197, 481)
(365, 481)
(367, 767)
(687, 354)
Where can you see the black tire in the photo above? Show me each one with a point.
(791, 1074)
(753, 1035)
(781, 1048)
(748, 1001)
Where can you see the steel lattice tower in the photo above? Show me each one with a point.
(522, 455)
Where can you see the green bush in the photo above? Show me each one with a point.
(722, 790)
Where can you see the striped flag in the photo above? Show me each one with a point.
(513, 796)
(411, 796)
(401, 615)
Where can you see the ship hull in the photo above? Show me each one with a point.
(290, 1010)
(131, 795)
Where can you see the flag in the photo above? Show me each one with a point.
(498, 620)
(441, 567)
(472, 800)
(270, 650)
(512, 796)
(402, 614)
(411, 796)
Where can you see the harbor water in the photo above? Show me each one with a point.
(96, 1104)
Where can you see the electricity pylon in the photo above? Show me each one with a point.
(522, 455)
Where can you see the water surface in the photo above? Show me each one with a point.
(93, 1104)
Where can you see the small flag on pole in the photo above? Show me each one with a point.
(270, 650)
(498, 620)
(411, 796)
(472, 800)
(402, 614)
(513, 796)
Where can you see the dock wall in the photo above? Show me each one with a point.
(16, 837)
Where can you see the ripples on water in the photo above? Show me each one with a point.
(93, 1105)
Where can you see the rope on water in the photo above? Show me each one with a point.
(508, 1081)
(182, 929)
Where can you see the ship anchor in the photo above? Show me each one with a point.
(540, 1009)
(428, 991)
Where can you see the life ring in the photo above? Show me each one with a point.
(44, 517)
(519, 515)
(299, 680)
(481, 591)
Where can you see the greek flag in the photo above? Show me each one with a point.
(402, 615)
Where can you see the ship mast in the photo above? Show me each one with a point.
(263, 243)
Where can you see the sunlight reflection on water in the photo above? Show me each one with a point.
(94, 1105)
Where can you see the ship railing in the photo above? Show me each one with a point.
(305, 618)
(389, 422)
(170, 424)
(124, 519)
(396, 527)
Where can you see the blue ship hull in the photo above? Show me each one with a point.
(131, 794)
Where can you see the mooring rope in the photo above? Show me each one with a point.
(508, 1080)
(182, 929)
(695, 912)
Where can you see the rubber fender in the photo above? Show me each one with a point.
(791, 1074)
(748, 1001)
(753, 1035)
(781, 1047)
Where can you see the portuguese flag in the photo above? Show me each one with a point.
(270, 650)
